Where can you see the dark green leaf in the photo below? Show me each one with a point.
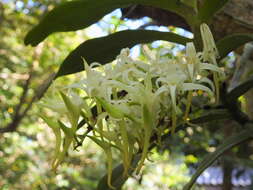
(118, 179)
(79, 14)
(105, 49)
(228, 144)
(209, 8)
(232, 42)
(240, 90)
(213, 115)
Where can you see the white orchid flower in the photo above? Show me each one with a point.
(210, 54)
(132, 96)
(210, 51)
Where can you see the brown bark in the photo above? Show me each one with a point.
(235, 17)
(160, 16)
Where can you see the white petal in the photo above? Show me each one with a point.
(193, 86)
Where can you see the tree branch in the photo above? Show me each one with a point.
(12, 126)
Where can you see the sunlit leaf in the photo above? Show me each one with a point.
(57, 132)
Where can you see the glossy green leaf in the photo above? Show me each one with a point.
(79, 14)
(209, 8)
(105, 49)
(228, 144)
(232, 42)
(118, 178)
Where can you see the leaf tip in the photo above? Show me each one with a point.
(35, 36)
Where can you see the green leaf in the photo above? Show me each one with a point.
(67, 131)
(228, 144)
(118, 179)
(232, 42)
(111, 109)
(209, 8)
(74, 110)
(57, 132)
(191, 3)
(105, 49)
(52, 124)
(79, 14)
(240, 90)
(213, 115)
(104, 145)
(148, 125)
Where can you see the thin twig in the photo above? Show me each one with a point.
(24, 94)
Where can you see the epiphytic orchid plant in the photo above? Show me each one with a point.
(123, 103)
(129, 105)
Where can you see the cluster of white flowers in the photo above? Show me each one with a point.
(131, 98)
